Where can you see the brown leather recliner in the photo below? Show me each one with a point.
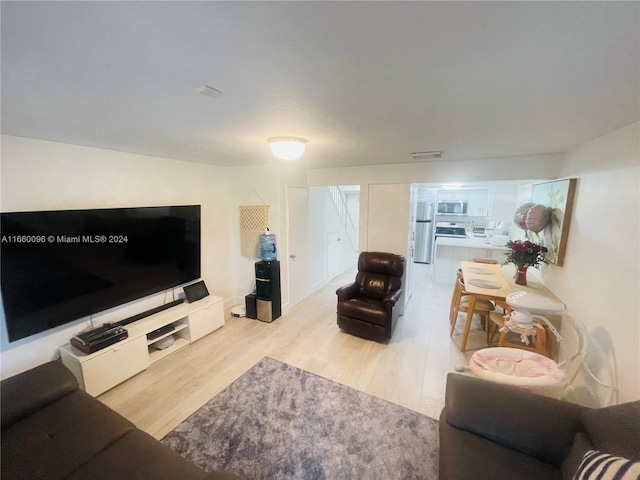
(367, 307)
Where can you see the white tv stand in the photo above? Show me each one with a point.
(102, 370)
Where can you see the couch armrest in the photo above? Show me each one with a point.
(615, 429)
(30, 391)
(348, 291)
(521, 420)
(390, 300)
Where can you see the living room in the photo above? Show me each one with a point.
(598, 282)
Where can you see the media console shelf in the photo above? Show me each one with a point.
(102, 370)
(181, 340)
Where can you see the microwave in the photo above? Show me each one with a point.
(452, 207)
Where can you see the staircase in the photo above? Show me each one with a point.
(340, 202)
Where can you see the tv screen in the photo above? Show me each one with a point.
(60, 266)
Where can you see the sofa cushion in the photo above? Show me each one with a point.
(603, 466)
(30, 391)
(364, 308)
(466, 456)
(615, 429)
(137, 455)
(530, 423)
(60, 438)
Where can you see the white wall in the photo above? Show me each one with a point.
(479, 170)
(599, 281)
(255, 186)
(39, 175)
(389, 218)
(504, 203)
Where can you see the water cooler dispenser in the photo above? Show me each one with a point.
(268, 300)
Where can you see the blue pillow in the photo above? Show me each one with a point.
(596, 465)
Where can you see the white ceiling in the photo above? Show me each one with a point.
(365, 82)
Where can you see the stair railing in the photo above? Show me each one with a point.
(340, 203)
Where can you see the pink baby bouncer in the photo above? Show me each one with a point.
(571, 378)
(520, 368)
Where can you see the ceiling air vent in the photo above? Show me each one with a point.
(426, 155)
(210, 92)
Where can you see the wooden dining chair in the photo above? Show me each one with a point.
(460, 303)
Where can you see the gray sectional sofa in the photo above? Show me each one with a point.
(491, 431)
(52, 430)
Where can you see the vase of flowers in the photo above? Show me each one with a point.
(521, 276)
(524, 255)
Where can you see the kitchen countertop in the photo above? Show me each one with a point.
(472, 242)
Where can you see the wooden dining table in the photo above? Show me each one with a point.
(492, 282)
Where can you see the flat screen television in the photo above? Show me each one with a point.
(60, 266)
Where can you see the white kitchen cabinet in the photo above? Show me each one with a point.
(447, 261)
(491, 197)
(443, 263)
(451, 251)
(488, 253)
(478, 203)
(453, 195)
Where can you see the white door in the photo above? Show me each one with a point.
(411, 241)
(297, 231)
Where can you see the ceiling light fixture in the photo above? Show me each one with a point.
(426, 155)
(287, 148)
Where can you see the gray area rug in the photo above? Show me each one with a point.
(279, 422)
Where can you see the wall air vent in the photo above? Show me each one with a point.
(426, 155)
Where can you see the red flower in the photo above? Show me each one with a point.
(525, 254)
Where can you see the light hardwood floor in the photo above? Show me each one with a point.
(410, 370)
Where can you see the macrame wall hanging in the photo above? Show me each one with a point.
(253, 221)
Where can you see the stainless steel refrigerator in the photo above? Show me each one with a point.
(424, 233)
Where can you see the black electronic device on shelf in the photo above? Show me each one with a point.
(160, 331)
(99, 338)
(195, 291)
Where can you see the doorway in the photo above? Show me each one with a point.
(341, 224)
(298, 241)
